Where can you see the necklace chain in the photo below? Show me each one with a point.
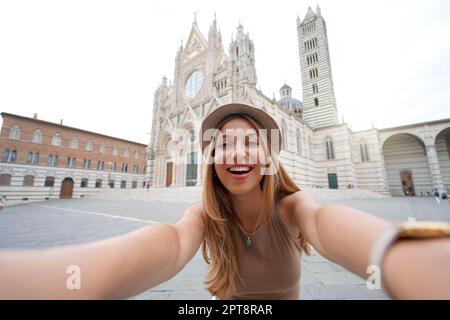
(248, 242)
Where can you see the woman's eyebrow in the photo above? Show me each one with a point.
(225, 136)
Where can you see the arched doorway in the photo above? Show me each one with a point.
(407, 183)
(66, 188)
(407, 168)
(169, 171)
(191, 169)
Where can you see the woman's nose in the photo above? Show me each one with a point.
(239, 151)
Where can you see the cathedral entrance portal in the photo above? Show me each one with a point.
(169, 171)
(407, 183)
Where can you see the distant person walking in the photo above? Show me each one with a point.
(437, 196)
(2, 203)
(448, 195)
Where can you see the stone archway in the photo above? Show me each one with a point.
(406, 162)
(66, 188)
(442, 143)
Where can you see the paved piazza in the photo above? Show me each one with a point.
(61, 222)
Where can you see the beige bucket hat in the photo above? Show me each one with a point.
(214, 118)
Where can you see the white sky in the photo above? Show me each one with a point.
(96, 64)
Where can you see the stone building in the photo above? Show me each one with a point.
(45, 160)
(318, 151)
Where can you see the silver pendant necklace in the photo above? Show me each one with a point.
(248, 241)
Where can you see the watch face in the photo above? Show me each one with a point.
(194, 84)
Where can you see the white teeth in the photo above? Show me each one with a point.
(239, 169)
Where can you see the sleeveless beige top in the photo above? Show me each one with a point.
(269, 269)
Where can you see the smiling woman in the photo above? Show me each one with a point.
(253, 225)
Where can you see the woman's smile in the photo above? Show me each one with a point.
(240, 172)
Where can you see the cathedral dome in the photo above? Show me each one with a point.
(287, 102)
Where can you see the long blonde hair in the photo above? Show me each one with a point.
(218, 248)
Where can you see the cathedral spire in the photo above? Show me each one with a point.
(195, 18)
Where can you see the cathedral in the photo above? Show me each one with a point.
(318, 151)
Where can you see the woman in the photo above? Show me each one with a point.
(253, 222)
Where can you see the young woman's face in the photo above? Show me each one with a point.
(237, 158)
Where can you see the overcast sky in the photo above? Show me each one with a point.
(96, 64)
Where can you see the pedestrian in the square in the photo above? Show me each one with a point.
(437, 196)
(2, 203)
(253, 223)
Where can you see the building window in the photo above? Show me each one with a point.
(71, 162)
(192, 135)
(364, 152)
(284, 143)
(98, 183)
(14, 132)
(123, 184)
(299, 142)
(102, 148)
(84, 183)
(5, 179)
(49, 182)
(194, 84)
(86, 164)
(126, 152)
(37, 136)
(56, 140)
(313, 73)
(28, 181)
(100, 165)
(124, 167)
(33, 158)
(137, 154)
(316, 102)
(315, 88)
(111, 183)
(135, 169)
(74, 143)
(115, 150)
(134, 185)
(52, 160)
(113, 166)
(310, 147)
(330, 148)
(9, 155)
(89, 145)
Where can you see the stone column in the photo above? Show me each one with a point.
(199, 168)
(174, 166)
(435, 170)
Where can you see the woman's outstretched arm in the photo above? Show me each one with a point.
(113, 268)
(411, 269)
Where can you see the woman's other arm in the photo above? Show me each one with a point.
(346, 236)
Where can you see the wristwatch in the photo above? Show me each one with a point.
(407, 230)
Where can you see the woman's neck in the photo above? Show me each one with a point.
(248, 206)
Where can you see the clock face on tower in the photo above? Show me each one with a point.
(194, 84)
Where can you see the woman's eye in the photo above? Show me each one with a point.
(222, 145)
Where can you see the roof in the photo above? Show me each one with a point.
(67, 127)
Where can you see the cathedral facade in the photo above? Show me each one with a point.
(318, 151)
